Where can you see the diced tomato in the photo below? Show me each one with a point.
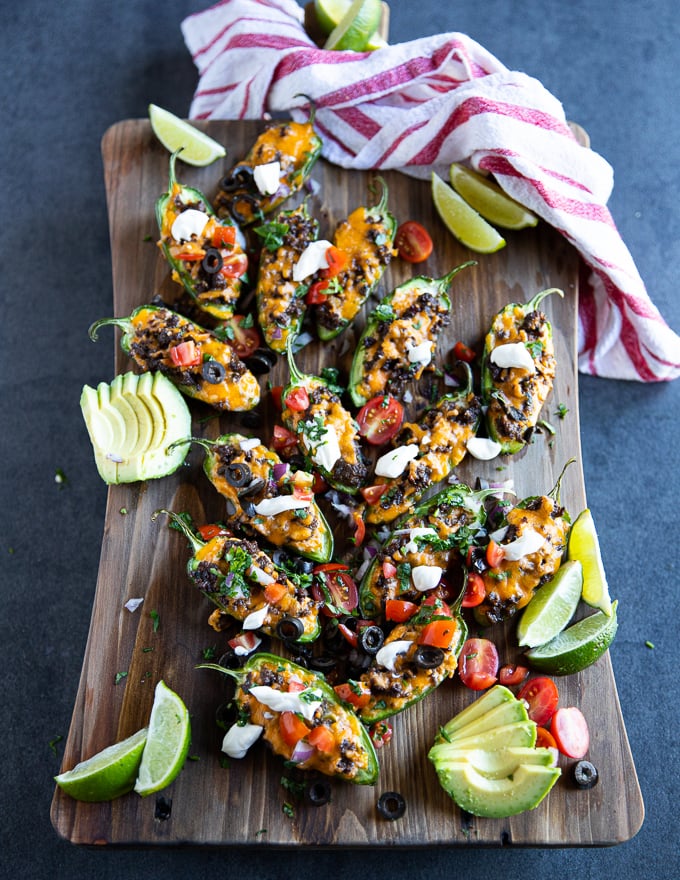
(292, 728)
(542, 697)
(463, 352)
(208, 532)
(224, 236)
(380, 733)
(475, 591)
(191, 256)
(511, 674)
(337, 260)
(245, 640)
(494, 554)
(283, 440)
(360, 528)
(297, 399)
(274, 592)
(478, 664)
(295, 686)
(570, 732)
(372, 494)
(380, 419)
(315, 295)
(234, 266)
(242, 337)
(439, 604)
(322, 738)
(276, 393)
(349, 635)
(413, 242)
(389, 569)
(438, 633)
(330, 566)
(399, 610)
(303, 493)
(544, 739)
(185, 354)
(357, 694)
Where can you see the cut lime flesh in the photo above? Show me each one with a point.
(584, 545)
(108, 774)
(167, 743)
(489, 200)
(577, 647)
(469, 227)
(356, 27)
(197, 148)
(552, 606)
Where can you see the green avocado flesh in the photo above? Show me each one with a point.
(131, 424)
(496, 696)
(508, 712)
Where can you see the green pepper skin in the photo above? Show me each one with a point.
(220, 302)
(346, 475)
(319, 544)
(430, 297)
(369, 253)
(511, 422)
(281, 669)
(208, 567)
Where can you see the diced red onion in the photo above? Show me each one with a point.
(277, 333)
(302, 752)
(280, 470)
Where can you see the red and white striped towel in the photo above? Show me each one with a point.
(421, 105)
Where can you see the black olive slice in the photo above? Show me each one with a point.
(226, 714)
(251, 419)
(428, 657)
(318, 793)
(238, 474)
(252, 488)
(212, 261)
(322, 663)
(585, 774)
(213, 372)
(289, 629)
(244, 198)
(391, 805)
(260, 362)
(240, 177)
(371, 639)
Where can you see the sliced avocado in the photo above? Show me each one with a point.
(505, 713)
(131, 424)
(489, 700)
(519, 733)
(496, 798)
(496, 764)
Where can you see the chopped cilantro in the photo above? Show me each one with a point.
(272, 234)
(384, 312)
(119, 677)
(54, 742)
(561, 410)
(155, 616)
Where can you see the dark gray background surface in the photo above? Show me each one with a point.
(73, 68)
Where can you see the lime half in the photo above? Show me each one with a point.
(175, 134)
(489, 200)
(108, 774)
(577, 647)
(585, 546)
(552, 606)
(469, 227)
(356, 27)
(167, 742)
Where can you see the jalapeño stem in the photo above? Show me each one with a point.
(554, 493)
(534, 303)
(181, 526)
(125, 324)
(444, 283)
(237, 674)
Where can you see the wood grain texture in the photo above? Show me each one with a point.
(139, 557)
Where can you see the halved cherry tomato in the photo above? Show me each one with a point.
(319, 486)
(413, 242)
(478, 664)
(315, 295)
(570, 731)
(357, 693)
(380, 733)
(276, 393)
(185, 354)
(463, 352)
(494, 554)
(191, 256)
(544, 739)
(438, 633)
(512, 674)
(224, 236)
(234, 266)
(298, 399)
(372, 494)
(399, 610)
(542, 697)
(274, 592)
(322, 738)
(340, 586)
(380, 419)
(242, 337)
(292, 728)
(209, 532)
(475, 591)
(360, 529)
(337, 260)
(283, 440)
(389, 569)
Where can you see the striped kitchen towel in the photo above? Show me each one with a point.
(419, 106)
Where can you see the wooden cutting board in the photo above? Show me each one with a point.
(141, 558)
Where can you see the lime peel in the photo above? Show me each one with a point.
(578, 647)
(468, 226)
(108, 774)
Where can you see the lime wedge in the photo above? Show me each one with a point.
(552, 606)
(577, 647)
(356, 26)
(489, 200)
(585, 546)
(108, 774)
(167, 742)
(329, 13)
(175, 134)
(469, 227)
